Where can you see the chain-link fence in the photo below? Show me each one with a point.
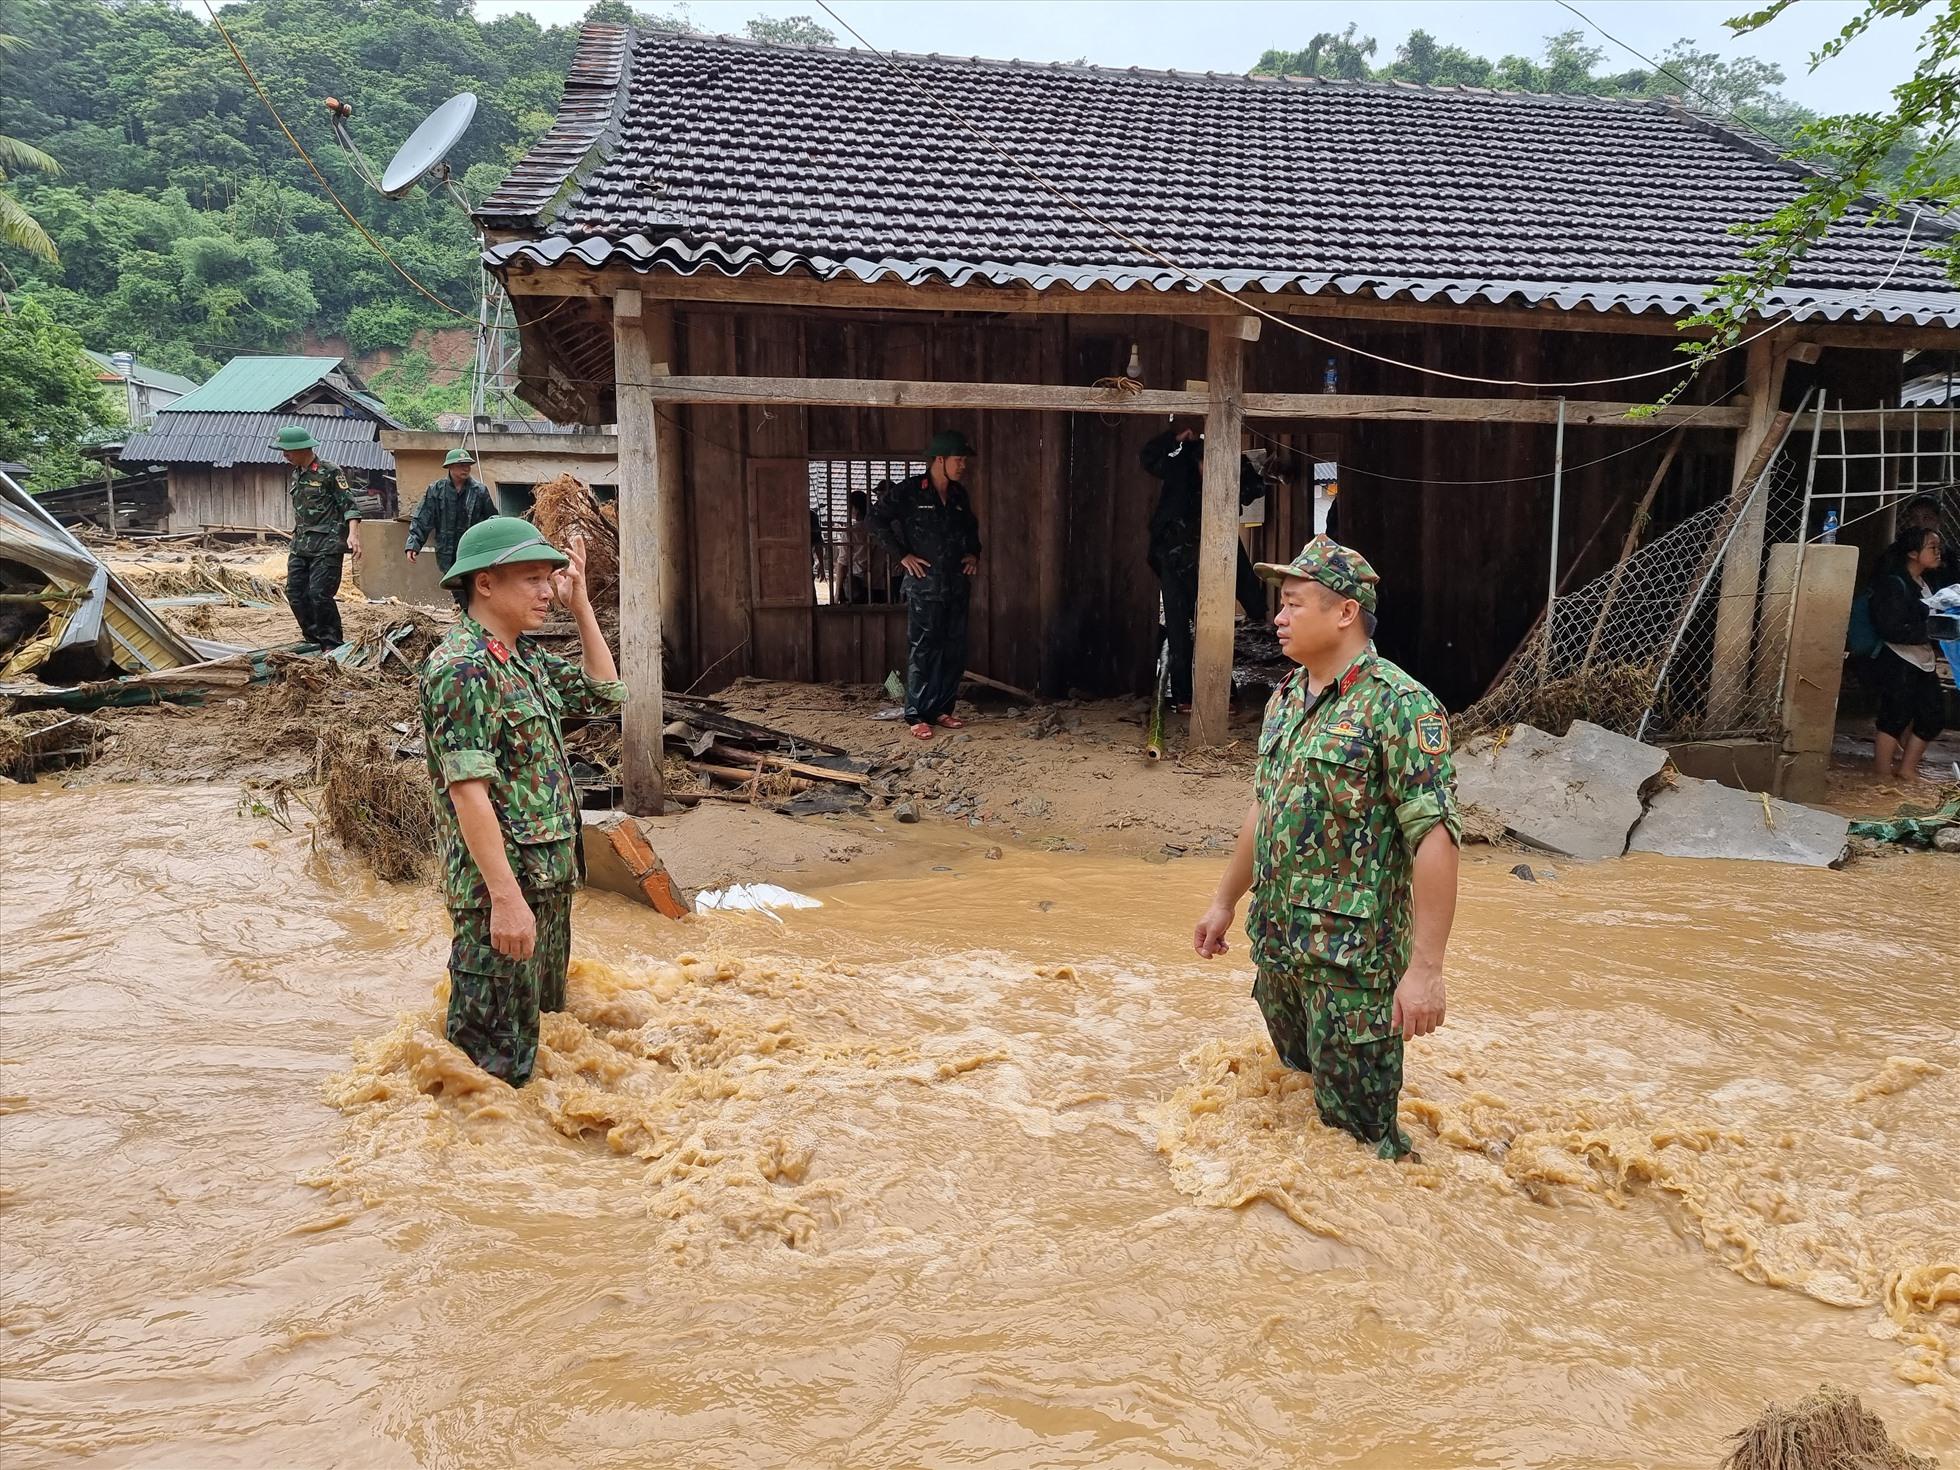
(1683, 639)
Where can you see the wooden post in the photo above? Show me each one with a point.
(1735, 608)
(639, 555)
(675, 624)
(1218, 540)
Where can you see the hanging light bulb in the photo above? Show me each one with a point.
(1135, 369)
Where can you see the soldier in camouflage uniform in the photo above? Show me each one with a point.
(454, 502)
(1350, 851)
(326, 526)
(927, 524)
(507, 812)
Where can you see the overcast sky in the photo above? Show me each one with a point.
(1228, 35)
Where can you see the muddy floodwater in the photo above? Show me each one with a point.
(975, 1165)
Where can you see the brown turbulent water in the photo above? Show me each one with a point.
(970, 1167)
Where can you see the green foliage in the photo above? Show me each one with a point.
(1907, 160)
(18, 228)
(797, 30)
(412, 394)
(50, 398)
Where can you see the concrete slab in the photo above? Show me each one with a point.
(1577, 795)
(1705, 819)
(385, 570)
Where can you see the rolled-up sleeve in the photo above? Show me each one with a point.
(580, 692)
(459, 721)
(1421, 775)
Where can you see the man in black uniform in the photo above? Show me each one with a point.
(1176, 457)
(927, 525)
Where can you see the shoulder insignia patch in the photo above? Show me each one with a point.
(1432, 734)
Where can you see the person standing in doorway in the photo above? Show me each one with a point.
(1349, 850)
(326, 526)
(927, 525)
(1176, 457)
(453, 503)
(507, 812)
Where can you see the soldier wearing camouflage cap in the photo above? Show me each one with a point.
(1349, 850)
(507, 812)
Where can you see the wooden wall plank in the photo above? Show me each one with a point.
(717, 529)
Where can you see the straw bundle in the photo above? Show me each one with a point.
(565, 509)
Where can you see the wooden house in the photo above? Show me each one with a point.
(216, 443)
(779, 268)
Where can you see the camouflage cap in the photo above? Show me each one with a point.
(1337, 567)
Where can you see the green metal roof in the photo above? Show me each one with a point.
(255, 385)
(143, 374)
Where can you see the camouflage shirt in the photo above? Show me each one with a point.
(492, 713)
(445, 513)
(1348, 786)
(322, 507)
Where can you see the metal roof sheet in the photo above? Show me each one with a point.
(255, 385)
(147, 377)
(226, 439)
(685, 154)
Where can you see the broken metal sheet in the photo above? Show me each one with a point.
(110, 609)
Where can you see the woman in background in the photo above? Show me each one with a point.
(1911, 705)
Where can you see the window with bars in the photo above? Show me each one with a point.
(848, 565)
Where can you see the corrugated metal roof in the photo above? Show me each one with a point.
(255, 385)
(734, 156)
(147, 377)
(226, 439)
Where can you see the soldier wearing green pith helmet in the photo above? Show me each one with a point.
(454, 502)
(507, 812)
(326, 526)
(1349, 849)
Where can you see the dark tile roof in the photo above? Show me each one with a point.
(684, 153)
(226, 439)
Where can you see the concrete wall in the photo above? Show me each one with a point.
(386, 571)
(1825, 585)
(503, 459)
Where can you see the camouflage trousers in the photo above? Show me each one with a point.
(1342, 1037)
(494, 1001)
(312, 581)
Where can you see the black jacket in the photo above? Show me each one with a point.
(1174, 523)
(1897, 611)
(910, 520)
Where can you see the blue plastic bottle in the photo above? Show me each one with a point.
(1331, 380)
(1828, 536)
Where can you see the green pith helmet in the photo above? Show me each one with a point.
(950, 442)
(458, 456)
(294, 437)
(1337, 567)
(501, 541)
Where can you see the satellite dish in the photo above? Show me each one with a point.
(428, 146)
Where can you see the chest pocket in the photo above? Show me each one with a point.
(1336, 775)
(539, 805)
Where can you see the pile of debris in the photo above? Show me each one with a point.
(712, 755)
(1592, 793)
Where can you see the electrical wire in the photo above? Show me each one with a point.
(1239, 303)
(366, 234)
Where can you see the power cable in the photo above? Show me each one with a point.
(300, 148)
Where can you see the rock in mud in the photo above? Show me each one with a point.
(1523, 870)
(1577, 795)
(1947, 839)
(1705, 819)
(906, 811)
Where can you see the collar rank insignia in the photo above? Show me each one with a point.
(497, 650)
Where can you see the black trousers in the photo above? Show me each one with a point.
(1909, 698)
(1178, 576)
(935, 650)
(312, 579)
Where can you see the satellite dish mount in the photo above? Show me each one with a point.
(425, 157)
